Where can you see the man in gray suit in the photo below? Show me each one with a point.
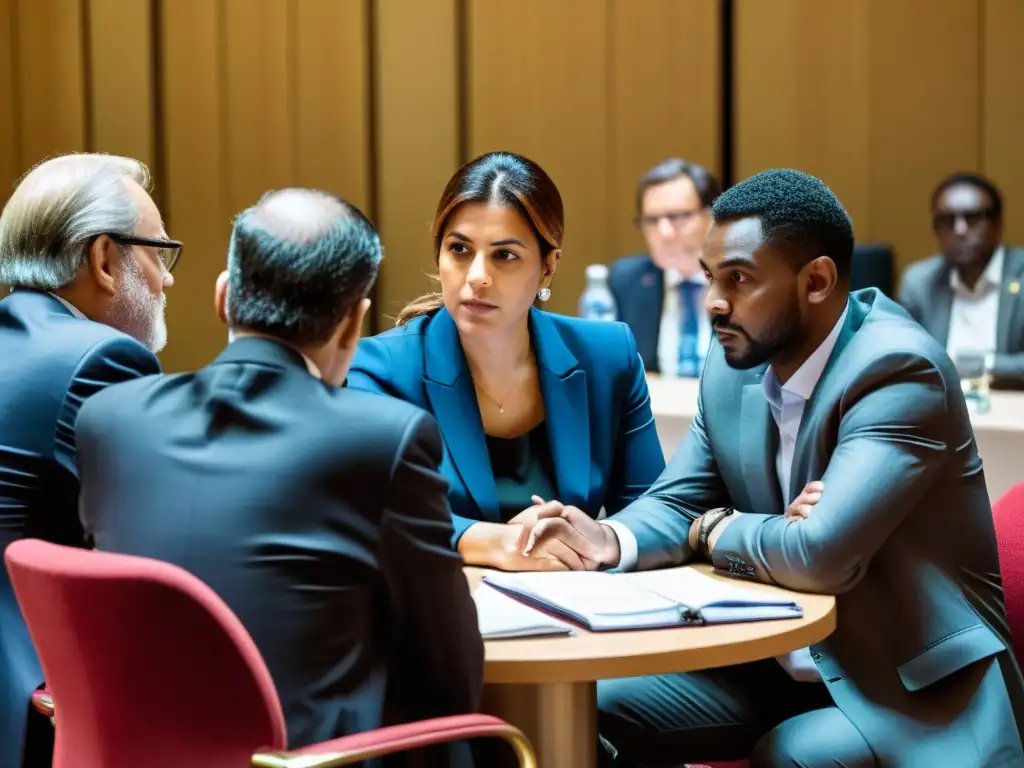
(968, 296)
(810, 383)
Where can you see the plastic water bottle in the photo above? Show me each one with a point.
(597, 302)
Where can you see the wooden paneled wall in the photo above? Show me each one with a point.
(596, 93)
(882, 99)
(381, 100)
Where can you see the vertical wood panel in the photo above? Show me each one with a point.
(417, 138)
(802, 94)
(880, 98)
(10, 162)
(51, 78)
(664, 98)
(546, 97)
(121, 87)
(924, 112)
(1003, 108)
(332, 84)
(195, 210)
(259, 99)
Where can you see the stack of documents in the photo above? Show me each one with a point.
(501, 617)
(671, 598)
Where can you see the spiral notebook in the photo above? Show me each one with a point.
(669, 598)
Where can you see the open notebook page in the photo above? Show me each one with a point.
(716, 600)
(597, 600)
(698, 590)
(501, 617)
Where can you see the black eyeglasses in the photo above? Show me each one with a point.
(169, 251)
(675, 218)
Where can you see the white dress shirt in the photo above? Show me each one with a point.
(71, 307)
(974, 315)
(671, 320)
(787, 403)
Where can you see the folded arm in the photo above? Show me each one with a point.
(442, 655)
(892, 444)
(1008, 370)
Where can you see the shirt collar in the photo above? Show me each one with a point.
(310, 365)
(673, 279)
(803, 382)
(991, 278)
(70, 307)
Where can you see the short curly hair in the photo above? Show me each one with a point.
(799, 215)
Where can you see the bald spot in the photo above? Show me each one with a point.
(297, 215)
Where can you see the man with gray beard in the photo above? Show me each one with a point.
(83, 247)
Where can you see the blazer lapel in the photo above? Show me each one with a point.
(759, 441)
(453, 401)
(1009, 299)
(563, 387)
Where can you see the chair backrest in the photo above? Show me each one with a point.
(1008, 516)
(146, 664)
(872, 267)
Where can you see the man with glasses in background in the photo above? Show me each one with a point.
(660, 294)
(83, 248)
(967, 296)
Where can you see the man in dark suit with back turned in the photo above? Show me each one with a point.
(82, 244)
(969, 296)
(316, 512)
(660, 294)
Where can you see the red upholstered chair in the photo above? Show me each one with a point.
(148, 667)
(1008, 515)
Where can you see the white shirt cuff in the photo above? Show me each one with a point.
(627, 546)
(800, 666)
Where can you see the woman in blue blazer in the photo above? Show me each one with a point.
(533, 407)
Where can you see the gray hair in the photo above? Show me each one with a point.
(58, 209)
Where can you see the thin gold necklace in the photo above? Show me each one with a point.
(504, 399)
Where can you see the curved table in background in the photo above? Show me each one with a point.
(547, 686)
(999, 433)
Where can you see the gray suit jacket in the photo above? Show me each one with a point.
(926, 294)
(903, 535)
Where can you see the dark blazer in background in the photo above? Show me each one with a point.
(926, 294)
(316, 513)
(598, 411)
(50, 362)
(638, 286)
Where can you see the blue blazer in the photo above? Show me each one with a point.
(603, 441)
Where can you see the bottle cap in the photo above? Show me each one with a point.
(597, 272)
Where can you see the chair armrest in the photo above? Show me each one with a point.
(43, 703)
(400, 738)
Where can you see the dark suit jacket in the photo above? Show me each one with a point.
(316, 513)
(638, 286)
(599, 424)
(926, 294)
(50, 362)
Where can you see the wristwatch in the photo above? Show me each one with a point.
(708, 521)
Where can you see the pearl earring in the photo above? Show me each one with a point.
(544, 294)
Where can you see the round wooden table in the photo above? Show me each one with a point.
(547, 686)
